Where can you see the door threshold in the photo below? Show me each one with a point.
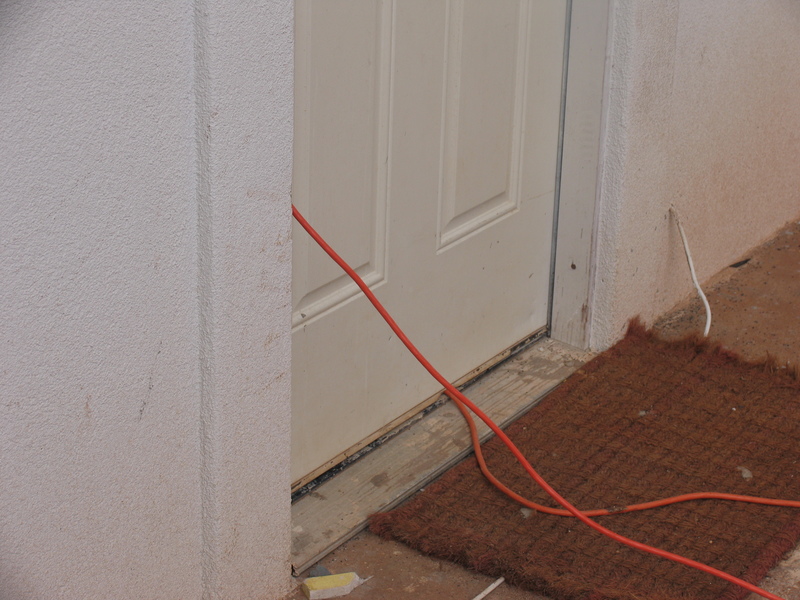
(358, 451)
(338, 509)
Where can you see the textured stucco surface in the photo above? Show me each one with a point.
(703, 113)
(144, 345)
(245, 91)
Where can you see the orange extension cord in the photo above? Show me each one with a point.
(463, 403)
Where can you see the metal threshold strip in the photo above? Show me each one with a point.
(337, 509)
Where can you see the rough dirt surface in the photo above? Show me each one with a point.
(755, 310)
(755, 307)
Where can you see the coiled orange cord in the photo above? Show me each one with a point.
(463, 403)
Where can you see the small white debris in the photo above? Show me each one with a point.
(746, 473)
(526, 512)
(331, 586)
(489, 589)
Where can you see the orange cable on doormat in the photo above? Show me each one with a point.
(463, 403)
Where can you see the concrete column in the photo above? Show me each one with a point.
(145, 294)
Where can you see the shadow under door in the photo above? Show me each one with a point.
(426, 143)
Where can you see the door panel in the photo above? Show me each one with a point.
(485, 43)
(425, 152)
(341, 132)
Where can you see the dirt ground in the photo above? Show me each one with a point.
(755, 309)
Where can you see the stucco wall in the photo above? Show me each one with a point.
(144, 251)
(144, 344)
(703, 102)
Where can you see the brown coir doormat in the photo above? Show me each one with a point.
(645, 420)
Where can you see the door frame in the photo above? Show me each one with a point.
(584, 106)
(577, 186)
(583, 116)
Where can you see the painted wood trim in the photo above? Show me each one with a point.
(574, 256)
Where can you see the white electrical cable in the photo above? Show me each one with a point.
(489, 589)
(691, 268)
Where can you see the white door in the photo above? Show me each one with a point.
(426, 138)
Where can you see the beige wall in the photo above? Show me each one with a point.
(145, 261)
(703, 112)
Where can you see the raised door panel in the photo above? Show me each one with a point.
(340, 176)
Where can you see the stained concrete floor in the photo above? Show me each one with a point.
(755, 310)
